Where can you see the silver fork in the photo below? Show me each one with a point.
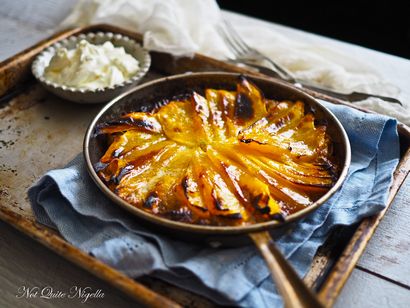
(247, 54)
(250, 56)
(243, 51)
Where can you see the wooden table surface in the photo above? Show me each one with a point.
(381, 278)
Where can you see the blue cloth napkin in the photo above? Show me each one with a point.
(68, 200)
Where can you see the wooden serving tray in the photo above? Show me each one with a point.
(40, 131)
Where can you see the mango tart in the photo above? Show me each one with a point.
(219, 157)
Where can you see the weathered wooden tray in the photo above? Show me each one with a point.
(39, 131)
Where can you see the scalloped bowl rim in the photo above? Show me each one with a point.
(144, 61)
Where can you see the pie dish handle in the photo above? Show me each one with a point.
(294, 291)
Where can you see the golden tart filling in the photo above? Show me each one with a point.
(220, 158)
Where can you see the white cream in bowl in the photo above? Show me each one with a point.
(91, 66)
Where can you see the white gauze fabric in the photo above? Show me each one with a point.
(183, 27)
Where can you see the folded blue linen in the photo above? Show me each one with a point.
(68, 200)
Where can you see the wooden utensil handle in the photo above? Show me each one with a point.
(293, 290)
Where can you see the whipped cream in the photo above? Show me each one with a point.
(91, 66)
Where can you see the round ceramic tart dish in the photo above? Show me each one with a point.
(217, 149)
(92, 95)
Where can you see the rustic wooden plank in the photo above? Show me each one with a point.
(25, 23)
(366, 290)
(388, 251)
(18, 255)
(26, 34)
(50, 239)
(181, 296)
(351, 254)
(42, 15)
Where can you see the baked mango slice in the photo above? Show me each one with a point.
(218, 113)
(151, 179)
(124, 143)
(249, 104)
(140, 121)
(279, 189)
(176, 121)
(220, 199)
(189, 192)
(219, 157)
(251, 191)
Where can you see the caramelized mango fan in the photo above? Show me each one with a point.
(220, 158)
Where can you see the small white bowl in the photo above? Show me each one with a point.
(86, 96)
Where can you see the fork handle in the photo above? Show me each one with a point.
(282, 72)
(350, 97)
(353, 96)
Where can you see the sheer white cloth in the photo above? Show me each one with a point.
(183, 27)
